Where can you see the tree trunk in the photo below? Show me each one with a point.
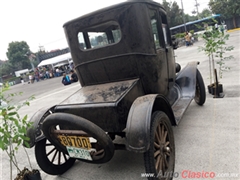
(213, 67)
(210, 69)
(234, 22)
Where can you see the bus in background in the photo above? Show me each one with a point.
(199, 25)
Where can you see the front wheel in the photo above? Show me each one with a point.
(50, 159)
(160, 158)
(200, 93)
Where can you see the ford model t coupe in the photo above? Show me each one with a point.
(131, 87)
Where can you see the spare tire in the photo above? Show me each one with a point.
(63, 121)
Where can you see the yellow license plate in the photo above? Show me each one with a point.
(75, 141)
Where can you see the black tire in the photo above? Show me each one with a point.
(162, 147)
(103, 145)
(178, 68)
(200, 93)
(51, 160)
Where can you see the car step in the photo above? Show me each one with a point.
(180, 107)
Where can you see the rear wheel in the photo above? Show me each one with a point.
(200, 93)
(160, 158)
(50, 159)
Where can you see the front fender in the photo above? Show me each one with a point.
(186, 79)
(34, 133)
(139, 120)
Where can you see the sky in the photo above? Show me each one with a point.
(40, 23)
(189, 5)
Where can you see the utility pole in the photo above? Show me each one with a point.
(183, 17)
(30, 56)
(197, 4)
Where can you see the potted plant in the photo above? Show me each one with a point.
(215, 47)
(12, 134)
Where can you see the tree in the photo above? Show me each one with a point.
(17, 55)
(166, 6)
(13, 130)
(174, 13)
(215, 47)
(189, 18)
(205, 13)
(227, 8)
(6, 68)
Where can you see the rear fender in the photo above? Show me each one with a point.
(35, 133)
(139, 120)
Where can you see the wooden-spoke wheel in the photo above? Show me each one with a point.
(50, 159)
(161, 148)
(160, 158)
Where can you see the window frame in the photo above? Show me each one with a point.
(164, 22)
(159, 28)
(93, 29)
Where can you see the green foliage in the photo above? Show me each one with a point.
(13, 128)
(227, 8)
(220, 54)
(180, 35)
(6, 68)
(205, 13)
(215, 47)
(17, 55)
(174, 13)
(191, 31)
(20, 57)
(11, 79)
(189, 18)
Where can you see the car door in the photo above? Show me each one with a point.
(168, 49)
(161, 58)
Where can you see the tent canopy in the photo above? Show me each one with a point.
(60, 64)
(55, 60)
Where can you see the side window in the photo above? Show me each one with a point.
(164, 27)
(81, 41)
(99, 36)
(154, 22)
(166, 32)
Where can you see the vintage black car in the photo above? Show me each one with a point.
(131, 88)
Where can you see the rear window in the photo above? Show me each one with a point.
(99, 35)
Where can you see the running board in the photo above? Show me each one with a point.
(180, 107)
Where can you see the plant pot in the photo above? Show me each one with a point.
(25, 174)
(34, 175)
(212, 88)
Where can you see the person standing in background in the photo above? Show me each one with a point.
(30, 78)
(21, 78)
(187, 39)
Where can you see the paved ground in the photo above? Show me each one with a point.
(41, 88)
(206, 140)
